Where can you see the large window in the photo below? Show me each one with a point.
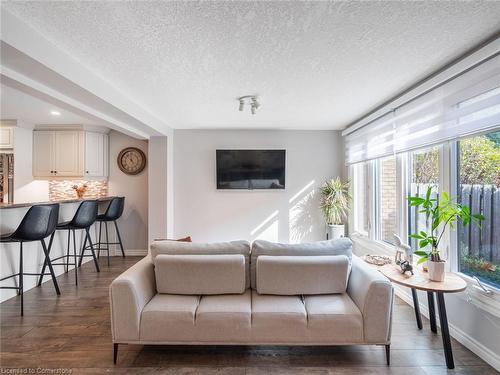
(444, 138)
(424, 173)
(479, 189)
(387, 199)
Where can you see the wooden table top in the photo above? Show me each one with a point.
(420, 280)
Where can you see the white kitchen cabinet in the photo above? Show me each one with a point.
(6, 138)
(43, 154)
(96, 155)
(58, 153)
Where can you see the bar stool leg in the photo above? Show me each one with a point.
(51, 270)
(92, 250)
(45, 261)
(75, 257)
(83, 251)
(99, 244)
(107, 239)
(67, 252)
(21, 276)
(119, 238)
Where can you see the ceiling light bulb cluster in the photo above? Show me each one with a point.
(250, 100)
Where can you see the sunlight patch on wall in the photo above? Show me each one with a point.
(301, 192)
(267, 220)
(301, 214)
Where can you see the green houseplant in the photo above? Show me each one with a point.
(443, 213)
(334, 204)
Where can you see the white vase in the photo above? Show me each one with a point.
(436, 270)
(335, 231)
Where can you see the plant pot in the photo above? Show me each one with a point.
(335, 231)
(436, 270)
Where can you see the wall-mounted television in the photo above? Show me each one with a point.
(251, 169)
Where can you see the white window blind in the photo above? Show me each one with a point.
(467, 104)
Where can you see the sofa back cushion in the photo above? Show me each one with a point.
(194, 248)
(200, 274)
(342, 246)
(305, 275)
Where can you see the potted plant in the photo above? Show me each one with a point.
(334, 204)
(443, 213)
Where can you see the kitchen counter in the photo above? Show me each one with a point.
(29, 204)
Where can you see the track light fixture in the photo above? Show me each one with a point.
(251, 100)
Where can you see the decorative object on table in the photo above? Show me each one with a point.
(406, 267)
(378, 260)
(334, 204)
(403, 251)
(80, 190)
(443, 213)
(131, 160)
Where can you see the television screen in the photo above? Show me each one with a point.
(251, 169)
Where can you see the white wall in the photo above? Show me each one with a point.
(134, 222)
(292, 215)
(159, 188)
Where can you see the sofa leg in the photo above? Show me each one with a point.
(115, 352)
(388, 354)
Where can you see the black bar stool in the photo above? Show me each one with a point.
(39, 222)
(113, 213)
(84, 217)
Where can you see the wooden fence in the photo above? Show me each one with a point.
(481, 242)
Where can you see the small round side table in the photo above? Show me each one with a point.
(420, 280)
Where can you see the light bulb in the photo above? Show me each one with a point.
(241, 105)
(253, 108)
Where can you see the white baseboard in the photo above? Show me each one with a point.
(134, 252)
(487, 355)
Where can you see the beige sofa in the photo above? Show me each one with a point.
(235, 293)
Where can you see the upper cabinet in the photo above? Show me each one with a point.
(96, 155)
(6, 138)
(70, 154)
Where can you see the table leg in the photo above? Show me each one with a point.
(445, 331)
(416, 306)
(432, 311)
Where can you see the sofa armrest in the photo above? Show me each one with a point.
(373, 293)
(128, 295)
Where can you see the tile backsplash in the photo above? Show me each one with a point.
(63, 189)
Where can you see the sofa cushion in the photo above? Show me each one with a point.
(169, 318)
(200, 274)
(294, 275)
(194, 248)
(224, 318)
(278, 319)
(342, 246)
(333, 318)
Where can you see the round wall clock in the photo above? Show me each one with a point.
(131, 160)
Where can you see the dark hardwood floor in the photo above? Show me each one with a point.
(73, 332)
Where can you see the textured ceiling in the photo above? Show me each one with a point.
(314, 64)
